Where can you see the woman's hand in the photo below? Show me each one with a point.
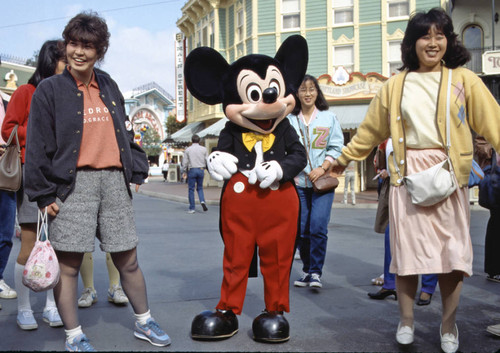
(52, 209)
(316, 173)
(337, 168)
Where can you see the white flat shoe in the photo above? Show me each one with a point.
(449, 342)
(404, 335)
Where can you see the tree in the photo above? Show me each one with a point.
(151, 143)
(172, 125)
(34, 59)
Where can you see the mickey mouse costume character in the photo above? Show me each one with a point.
(258, 154)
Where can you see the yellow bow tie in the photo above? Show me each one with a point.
(251, 138)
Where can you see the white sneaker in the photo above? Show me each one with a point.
(191, 211)
(89, 297)
(117, 296)
(6, 292)
(51, 316)
(26, 320)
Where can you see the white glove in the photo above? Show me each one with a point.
(267, 173)
(222, 165)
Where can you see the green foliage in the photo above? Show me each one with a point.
(151, 143)
(172, 125)
(33, 60)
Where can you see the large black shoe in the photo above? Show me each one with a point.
(271, 327)
(383, 293)
(210, 325)
(421, 301)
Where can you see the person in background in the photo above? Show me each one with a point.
(350, 178)
(432, 239)
(164, 170)
(80, 161)
(321, 135)
(89, 294)
(50, 62)
(193, 167)
(485, 155)
(429, 281)
(7, 220)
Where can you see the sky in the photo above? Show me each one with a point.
(142, 34)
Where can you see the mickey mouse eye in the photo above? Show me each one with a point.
(276, 85)
(254, 93)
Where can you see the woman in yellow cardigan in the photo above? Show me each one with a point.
(411, 108)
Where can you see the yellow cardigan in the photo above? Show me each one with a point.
(471, 106)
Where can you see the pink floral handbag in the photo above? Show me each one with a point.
(41, 272)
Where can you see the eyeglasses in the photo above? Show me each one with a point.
(305, 90)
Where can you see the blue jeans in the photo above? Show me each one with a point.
(315, 211)
(195, 176)
(429, 281)
(7, 224)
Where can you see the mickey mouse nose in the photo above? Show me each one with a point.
(270, 95)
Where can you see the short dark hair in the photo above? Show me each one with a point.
(50, 54)
(88, 27)
(320, 102)
(195, 139)
(456, 54)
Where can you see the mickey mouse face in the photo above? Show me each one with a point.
(264, 103)
(256, 90)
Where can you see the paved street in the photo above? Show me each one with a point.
(181, 257)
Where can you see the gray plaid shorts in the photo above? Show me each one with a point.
(99, 205)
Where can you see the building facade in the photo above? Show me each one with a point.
(354, 46)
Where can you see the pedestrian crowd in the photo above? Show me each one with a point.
(79, 160)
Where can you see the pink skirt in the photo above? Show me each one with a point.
(433, 239)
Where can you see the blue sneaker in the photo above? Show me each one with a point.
(303, 281)
(152, 332)
(80, 344)
(26, 320)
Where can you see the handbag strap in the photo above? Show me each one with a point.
(12, 134)
(306, 145)
(42, 224)
(448, 141)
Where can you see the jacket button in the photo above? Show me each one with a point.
(272, 152)
(79, 94)
(399, 181)
(117, 130)
(398, 118)
(123, 149)
(77, 131)
(401, 162)
(103, 96)
(400, 139)
(248, 165)
(74, 151)
(68, 187)
(79, 113)
(112, 112)
(71, 171)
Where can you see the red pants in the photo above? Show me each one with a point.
(253, 216)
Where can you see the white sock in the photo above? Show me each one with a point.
(50, 302)
(73, 333)
(23, 292)
(142, 318)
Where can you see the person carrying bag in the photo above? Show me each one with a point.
(10, 164)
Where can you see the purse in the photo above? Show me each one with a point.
(433, 185)
(489, 187)
(10, 164)
(41, 271)
(325, 183)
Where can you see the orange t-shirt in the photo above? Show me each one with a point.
(99, 148)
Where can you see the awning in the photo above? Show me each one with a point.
(214, 129)
(185, 134)
(350, 116)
